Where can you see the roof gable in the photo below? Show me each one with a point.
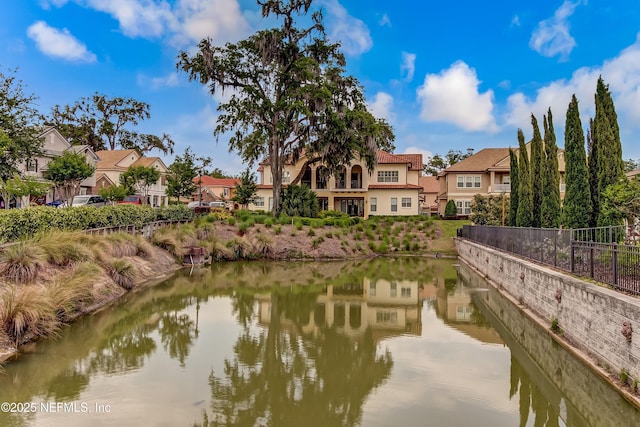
(110, 159)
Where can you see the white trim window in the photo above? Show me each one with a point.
(373, 202)
(464, 207)
(394, 204)
(270, 203)
(469, 181)
(406, 202)
(259, 201)
(387, 176)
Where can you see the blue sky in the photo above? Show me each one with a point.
(447, 75)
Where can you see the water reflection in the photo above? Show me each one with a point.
(370, 342)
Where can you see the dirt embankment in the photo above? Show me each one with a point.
(280, 242)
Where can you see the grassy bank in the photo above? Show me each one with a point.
(52, 278)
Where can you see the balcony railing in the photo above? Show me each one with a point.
(502, 188)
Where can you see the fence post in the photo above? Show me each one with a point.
(615, 264)
(591, 259)
(555, 248)
(571, 255)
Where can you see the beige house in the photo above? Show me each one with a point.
(429, 194)
(114, 162)
(487, 172)
(210, 189)
(391, 189)
(54, 144)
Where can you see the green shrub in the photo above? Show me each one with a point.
(231, 221)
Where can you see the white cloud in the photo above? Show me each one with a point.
(551, 37)
(621, 73)
(352, 33)
(385, 21)
(222, 20)
(186, 21)
(408, 64)
(515, 21)
(137, 18)
(59, 43)
(452, 96)
(382, 106)
(170, 80)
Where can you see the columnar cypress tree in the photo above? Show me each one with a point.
(537, 167)
(513, 203)
(576, 212)
(593, 174)
(524, 217)
(610, 166)
(551, 177)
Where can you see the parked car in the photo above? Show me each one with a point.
(218, 205)
(197, 204)
(92, 200)
(134, 199)
(199, 207)
(56, 203)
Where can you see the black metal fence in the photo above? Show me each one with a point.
(592, 252)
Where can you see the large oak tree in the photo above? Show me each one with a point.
(106, 123)
(289, 96)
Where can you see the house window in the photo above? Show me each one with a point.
(394, 290)
(32, 165)
(387, 176)
(394, 204)
(506, 179)
(406, 202)
(270, 203)
(259, 201)
(384, 316)
(372, 289)
(464, 207)
(225, 193)
(374, 204)
(405, 292)
(469, 181)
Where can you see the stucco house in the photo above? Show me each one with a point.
(429, 194)
(486, 172)
(54, 144)
(114, 162)
(392, 188)
(214, 189)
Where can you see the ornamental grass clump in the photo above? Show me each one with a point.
(70, 294)
(26, 313)
(22, 262)
(65, 248)
(123, 273)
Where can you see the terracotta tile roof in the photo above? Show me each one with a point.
(394, 187)
(110, 158)
(217, 182)
(480, 161)
(415, 160)
(429, 184)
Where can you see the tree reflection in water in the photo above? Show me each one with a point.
(283, 376)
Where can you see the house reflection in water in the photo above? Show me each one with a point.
(389, 308)
(454, 305)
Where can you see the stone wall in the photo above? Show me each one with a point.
(569, 384)
(602, 323)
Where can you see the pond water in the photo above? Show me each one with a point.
(382, 342)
